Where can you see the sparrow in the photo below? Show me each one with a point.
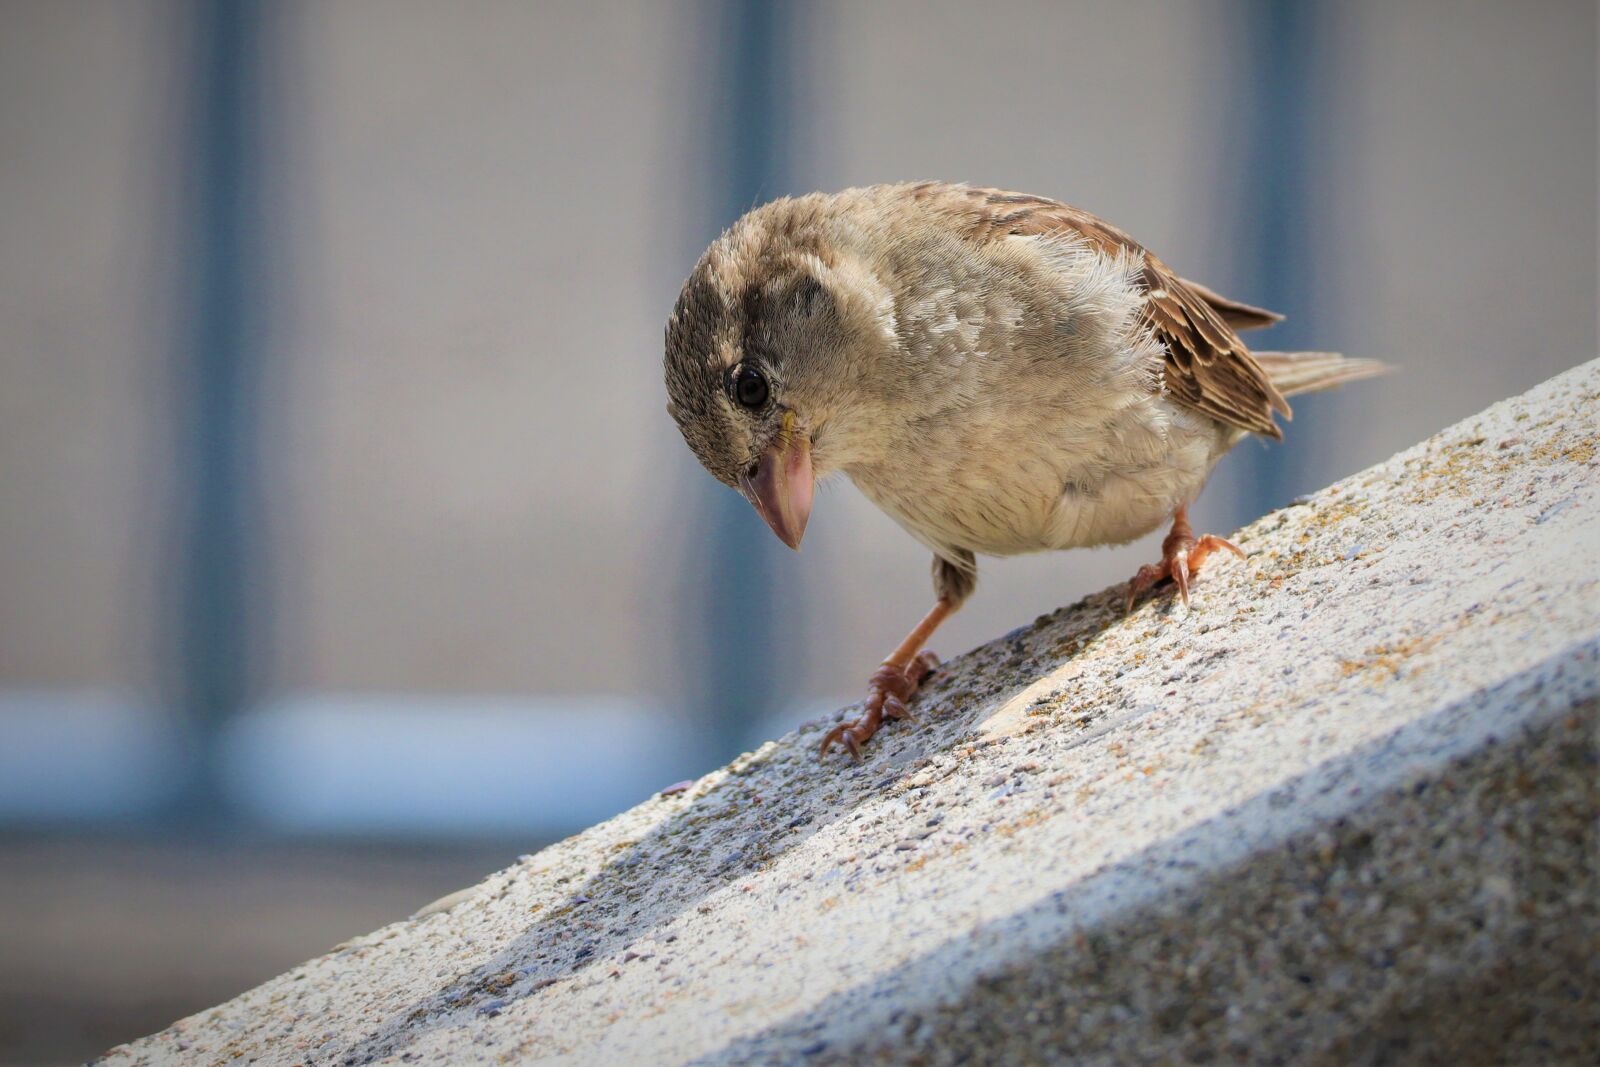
(999, 372)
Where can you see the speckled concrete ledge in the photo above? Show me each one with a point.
(1342, 811)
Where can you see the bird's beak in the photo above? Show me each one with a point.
(780, 488)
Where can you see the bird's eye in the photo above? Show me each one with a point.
(750, 387)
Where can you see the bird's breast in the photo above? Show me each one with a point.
(1026, 411)
(1029, 482)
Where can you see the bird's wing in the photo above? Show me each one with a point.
(1208, 367)
(1235, 313)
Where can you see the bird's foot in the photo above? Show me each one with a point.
(891, 687)
(1182, 553)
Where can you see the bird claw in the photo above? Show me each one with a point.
(891, 687)
(1180, 575)
(852, 744)
(1143, 579)
(1182, 554)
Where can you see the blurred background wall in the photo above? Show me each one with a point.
(345, 548)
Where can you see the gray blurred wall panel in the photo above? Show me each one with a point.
(476, 449)
(1470, 186)
(86, 208)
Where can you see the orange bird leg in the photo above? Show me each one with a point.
(1181, 556)
(892, 685)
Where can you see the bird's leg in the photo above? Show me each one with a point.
(892, 685)
(1181, 556)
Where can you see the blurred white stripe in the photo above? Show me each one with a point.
(376, 764)
(83, 754)
(405, 764)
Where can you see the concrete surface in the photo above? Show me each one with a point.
(1341, 811)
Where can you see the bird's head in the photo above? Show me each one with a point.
(761, 350)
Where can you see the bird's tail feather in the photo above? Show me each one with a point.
(1307, 372)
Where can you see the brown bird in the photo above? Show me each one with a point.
(1000, 373)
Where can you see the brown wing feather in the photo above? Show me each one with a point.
(1239, 315)
(1208, 367)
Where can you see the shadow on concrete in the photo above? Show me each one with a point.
(1362, 935)
(627, 901)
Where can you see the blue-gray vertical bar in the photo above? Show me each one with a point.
(739, 674)
(1283, 128)
(218, 384)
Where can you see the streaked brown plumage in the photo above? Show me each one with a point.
(1208, 366)
(999, 372)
